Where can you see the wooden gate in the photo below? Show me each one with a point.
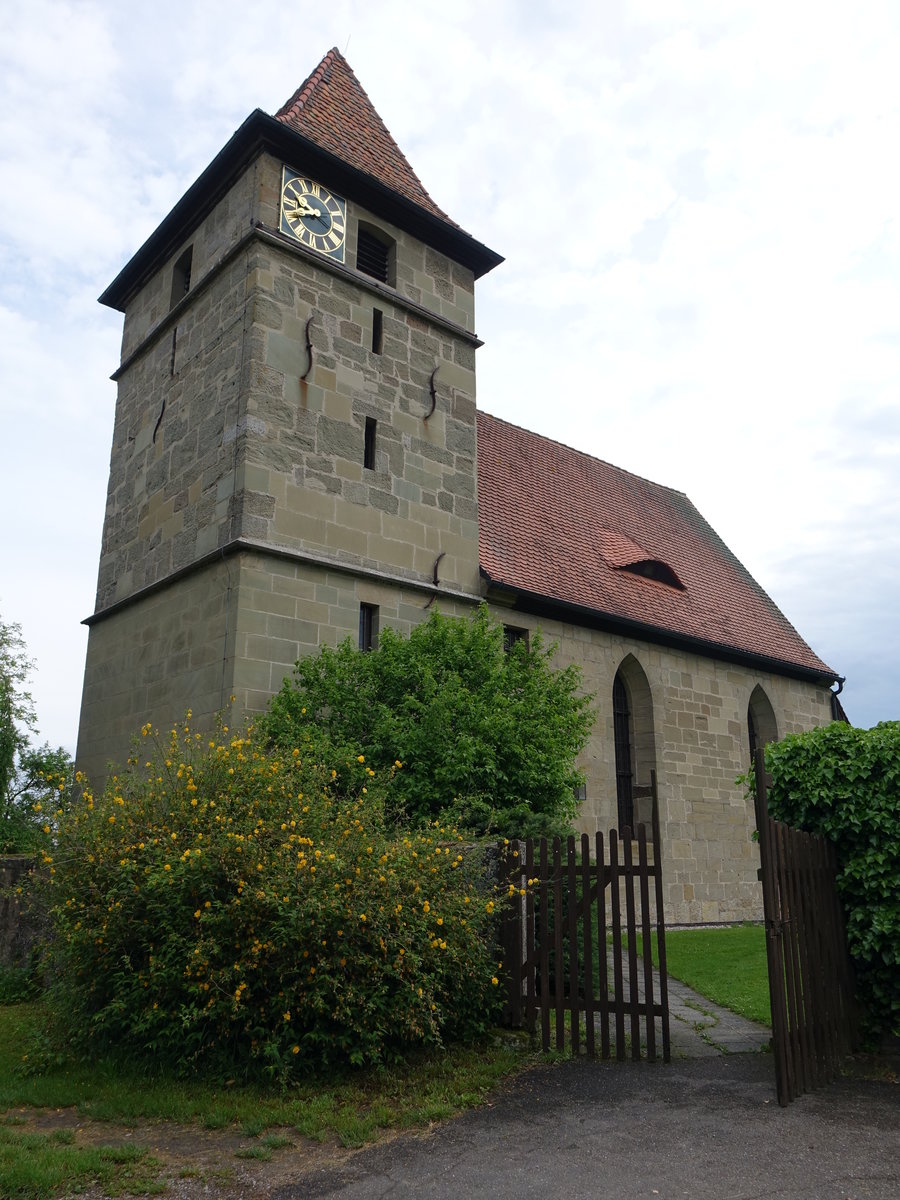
(555, 941)
(810, 979)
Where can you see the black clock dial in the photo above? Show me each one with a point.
(313, 215)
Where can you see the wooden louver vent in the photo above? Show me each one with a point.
(372, 256)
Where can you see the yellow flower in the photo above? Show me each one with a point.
(494, 980)
(295, 1050)
(360, 758)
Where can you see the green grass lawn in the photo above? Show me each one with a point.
(350, 1109)
(36, 1165)
(728, 965)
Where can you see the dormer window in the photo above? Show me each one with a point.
(375, 254)
(652, 568)
(622, 553)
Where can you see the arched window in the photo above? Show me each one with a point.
(761, 726)
(624, 754)
(635, 743)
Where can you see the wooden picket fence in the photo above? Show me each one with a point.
(814, 1020)
(561, 967)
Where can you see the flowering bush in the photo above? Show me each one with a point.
(225, 905)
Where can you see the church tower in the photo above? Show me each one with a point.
(294, 452)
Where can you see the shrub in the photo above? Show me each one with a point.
(224, 905)
(845, 783)
(487, 736)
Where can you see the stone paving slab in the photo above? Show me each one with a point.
(698, 1028)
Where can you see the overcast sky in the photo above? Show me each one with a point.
(699, 206)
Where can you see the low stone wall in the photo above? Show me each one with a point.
(18, 928)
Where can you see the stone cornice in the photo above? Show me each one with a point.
(330, 562)
(273, 238)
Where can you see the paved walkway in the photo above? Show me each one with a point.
(700, 1129)
(700, 1029)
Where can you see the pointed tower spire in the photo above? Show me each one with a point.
(332, 109)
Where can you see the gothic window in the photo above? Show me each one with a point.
(635, 742)
(624, 754)
(761, 726)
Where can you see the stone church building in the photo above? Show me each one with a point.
(298, 458)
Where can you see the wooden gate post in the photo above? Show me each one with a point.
(774, 931)
(512, 930)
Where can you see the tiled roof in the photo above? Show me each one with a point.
(332, 109)
(562, 525)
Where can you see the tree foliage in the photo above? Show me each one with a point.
(487, 736)
(31, 777)
(16, 706)
(844, 783)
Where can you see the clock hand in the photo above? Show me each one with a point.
(304, 210)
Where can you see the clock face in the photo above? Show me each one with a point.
(313, 215)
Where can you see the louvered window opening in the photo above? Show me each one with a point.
(372, 256)
(622, 731)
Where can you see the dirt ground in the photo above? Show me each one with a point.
(194, 1162)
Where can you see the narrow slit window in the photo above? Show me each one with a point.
(181, 277)
(377, 331)
(369, 445)
(368, 626)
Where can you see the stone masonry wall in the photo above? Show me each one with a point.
(291, 609)
(305, 485)
(697, 732)
(152, 660)
(172, 494)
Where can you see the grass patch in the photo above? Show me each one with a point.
(36, 1166)
(353, 1108)
(727, 965)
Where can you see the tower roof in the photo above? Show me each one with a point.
(331, 108)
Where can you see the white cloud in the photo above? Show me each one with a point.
(698, 204)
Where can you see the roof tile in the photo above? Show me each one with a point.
(560, 524)
(332, 109)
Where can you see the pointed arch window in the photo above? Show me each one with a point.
(624, 754)
(761, 725)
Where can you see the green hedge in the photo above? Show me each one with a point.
(845, 783)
